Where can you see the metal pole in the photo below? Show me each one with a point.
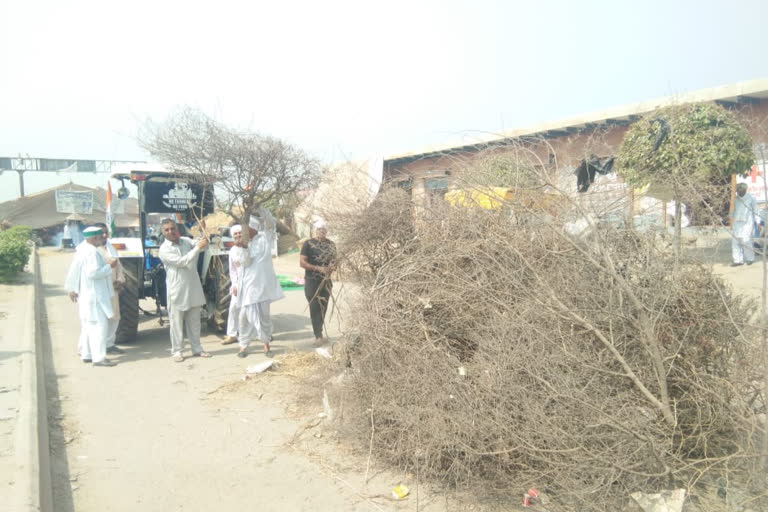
(21, 183)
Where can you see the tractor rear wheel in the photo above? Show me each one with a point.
(129, 302)
(217, 284)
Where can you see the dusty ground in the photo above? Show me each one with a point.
(154, 435)
(13, 316)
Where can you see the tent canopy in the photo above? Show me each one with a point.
(38, 210)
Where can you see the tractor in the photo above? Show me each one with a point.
(186, 199)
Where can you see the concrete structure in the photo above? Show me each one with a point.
(560, 146)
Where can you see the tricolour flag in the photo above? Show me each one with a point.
(110, 215)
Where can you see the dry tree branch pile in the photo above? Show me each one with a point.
(496, 354)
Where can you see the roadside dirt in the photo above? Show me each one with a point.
(13, 318)
(154, 435)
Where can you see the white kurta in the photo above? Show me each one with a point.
(72, 283)
(90, 277)
(259, 282)
(744, 217)
(182, 281)
(108, 251)
(253, 274)
(96, 291)
(239, 259)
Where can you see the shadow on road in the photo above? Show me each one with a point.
(60, 472)
(51, 290)
(287, 322)
(720, 252)
(152, 342)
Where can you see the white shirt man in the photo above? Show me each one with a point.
(744, 216)
(260, 286)
(118, 280)
(185, 293)
(89, 283)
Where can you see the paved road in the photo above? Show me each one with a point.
(148, 435)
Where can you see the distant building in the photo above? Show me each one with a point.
(561, 146)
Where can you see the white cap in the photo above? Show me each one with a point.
(254, 223)
(237, 228)
(319, 224)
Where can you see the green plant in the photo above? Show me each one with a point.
(14, 251)
(701, 141)
(691, 150)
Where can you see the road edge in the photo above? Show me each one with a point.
(34, 491)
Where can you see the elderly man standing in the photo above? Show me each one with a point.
(259, 285)
(744, 214)
(185, 293)
(89, 283)
(118, 280)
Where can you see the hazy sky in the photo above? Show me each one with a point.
(349, 79)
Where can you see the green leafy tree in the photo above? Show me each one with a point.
(689, 149)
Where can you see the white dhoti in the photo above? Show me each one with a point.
(185, 321)
(112, 324)
(233, 320)
(741, 242)
(254, 320)
(82, 342)
(93, 338)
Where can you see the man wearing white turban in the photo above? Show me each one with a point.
(89, 282)
(255, 286)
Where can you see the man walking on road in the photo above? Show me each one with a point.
(744, 216)
(89, 283)
(118, 280)
(185, 293)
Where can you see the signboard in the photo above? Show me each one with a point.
(176, 197)
(70, 201)
(118, 206)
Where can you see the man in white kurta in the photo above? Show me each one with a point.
(185, 293)
(238, 259)
(118, 280)
(89, 283)
(72, 286)
(744, 216)
(260, 286)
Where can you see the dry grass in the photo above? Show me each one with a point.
(494, 350)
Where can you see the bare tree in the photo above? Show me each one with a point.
(249, 169)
